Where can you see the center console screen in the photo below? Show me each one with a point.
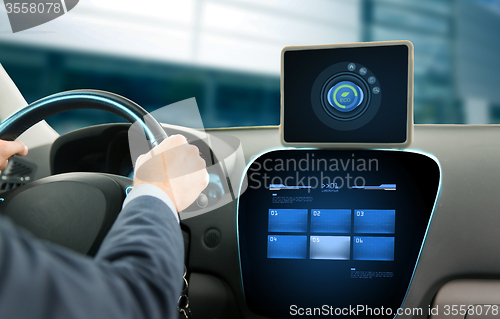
(332, 230)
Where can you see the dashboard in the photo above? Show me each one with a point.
(458, 255)
(105, 149)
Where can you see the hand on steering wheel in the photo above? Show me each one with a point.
(176, 167)
(95, 198)
(9, 149)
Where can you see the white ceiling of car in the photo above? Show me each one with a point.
(245, 35)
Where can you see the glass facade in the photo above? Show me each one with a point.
(226, 54)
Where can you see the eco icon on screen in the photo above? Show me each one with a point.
(345, 96)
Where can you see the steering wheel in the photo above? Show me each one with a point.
(75, 210)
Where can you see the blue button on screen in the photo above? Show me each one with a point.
(373, 248)
(330, 220)
(330, 247)
(283, 246)
(287, 220)
(345, 96)
(374, 221)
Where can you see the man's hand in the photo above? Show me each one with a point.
(9, 149)
(176, 167)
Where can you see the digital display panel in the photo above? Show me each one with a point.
(371, 221)
(347, 94)
(333, 227)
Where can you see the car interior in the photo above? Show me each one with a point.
(349, 205)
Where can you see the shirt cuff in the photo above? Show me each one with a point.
(151, 190)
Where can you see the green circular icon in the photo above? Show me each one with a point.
(345, 96)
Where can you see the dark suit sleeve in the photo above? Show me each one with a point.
(137, 272)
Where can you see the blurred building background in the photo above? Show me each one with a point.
(226, 53)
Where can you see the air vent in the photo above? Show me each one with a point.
(8, 186)
(17, 173)
(17, 168)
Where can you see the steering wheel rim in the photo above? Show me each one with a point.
(94, 199)
(19, 122)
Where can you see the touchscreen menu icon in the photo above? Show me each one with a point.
(330, 247)
(374, 221)
(283, 246)
(331, 220)
(373, 248)
(287, 220)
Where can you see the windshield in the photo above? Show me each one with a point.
(226, 54)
